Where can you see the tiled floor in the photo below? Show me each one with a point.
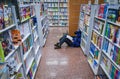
(64, 63)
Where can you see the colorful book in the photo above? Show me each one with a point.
(2, 57)
(1, 17)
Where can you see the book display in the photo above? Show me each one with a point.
(103, 56)
(20, 40)
(85, 25)
(57, 12)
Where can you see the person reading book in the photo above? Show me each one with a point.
(69, 40)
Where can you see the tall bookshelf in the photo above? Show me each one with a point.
(110, 49)
(57, 12)
(103, 56)
(85, 25)
(20, 40)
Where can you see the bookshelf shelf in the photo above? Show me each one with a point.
(97, 32)
(39, 59)
(95, 45)
(85, 33)
(37, 49)
(34, 27)
(30, 63)
(18, 67)
(99, 18)
(25, 37)
(34, 73)
(112, 42)
(113, 23)
(27, 53)
(84, 40)
(25, 20)
(102, 66)
(117, 66)
(8, 56)
(7, 28)
(91, 54)
(93, 69)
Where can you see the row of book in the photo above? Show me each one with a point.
(27, 44)
(51, 0)
(94, 51)
(112, 32)
(32, 70)
(112, 71)
(86, 9)
(63, 5)
(52, 4)
(112, 51)
(29, 59)
(53, 9)
(63, 13)
(97, 39)
(102, 11)
(63, 17)
(63, 0)
(26, 12)
(6, 18)
(98, 26)
(86, 19)
(86, 29)
(63, 10)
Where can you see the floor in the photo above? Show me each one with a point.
(64, 63)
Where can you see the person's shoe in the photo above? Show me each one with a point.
(56, 44)
(57, 47)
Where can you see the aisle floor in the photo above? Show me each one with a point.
(64, 63)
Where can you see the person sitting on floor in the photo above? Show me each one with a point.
(69, 40)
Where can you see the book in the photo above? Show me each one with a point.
(101, 11)
(8, 18)
(118, 38)
(1, 17)
(20, 74)
(6, 43)
(2, 57)
(112, 14)
(118, 17)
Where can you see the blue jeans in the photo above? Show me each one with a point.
(64, 39)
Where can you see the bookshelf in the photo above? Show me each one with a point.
(97, 38)
(57, 12)
(103, 56)
(85, 25)
(110, 51)
(19, 37)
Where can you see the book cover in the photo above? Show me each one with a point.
(2, 57)
(112, 15)
(118, 37)
(8, 19)
(1, 17)
(105, 11)
(118, 17)
(101, 11)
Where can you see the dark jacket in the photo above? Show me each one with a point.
(77, 39)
